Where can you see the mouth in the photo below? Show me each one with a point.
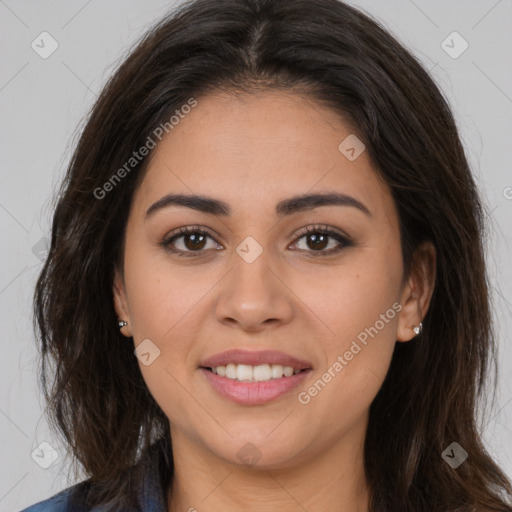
(254, 366)
(258, 373)
(254, 378)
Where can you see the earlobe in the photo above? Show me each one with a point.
(120, 304)
(417, 293)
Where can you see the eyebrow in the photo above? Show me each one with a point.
(285, 207)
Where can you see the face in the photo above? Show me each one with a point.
(320, 281)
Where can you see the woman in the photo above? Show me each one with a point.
(266, 286)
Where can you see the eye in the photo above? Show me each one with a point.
(194, 241)
(317, 239)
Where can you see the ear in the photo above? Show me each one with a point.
(417, 291)
(121, 303)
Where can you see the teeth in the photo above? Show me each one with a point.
(259, 373)
(262, 372)
(231, 371)
(244, 372)
(288, 371)
(277, 371)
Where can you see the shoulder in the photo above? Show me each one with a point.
(146, 480)
(60, 502)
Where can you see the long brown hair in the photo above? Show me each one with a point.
(342, 58)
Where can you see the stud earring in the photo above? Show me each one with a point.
(417, 329)
(121, 324)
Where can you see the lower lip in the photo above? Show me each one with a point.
(254, 393)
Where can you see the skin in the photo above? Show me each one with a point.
(252, 151)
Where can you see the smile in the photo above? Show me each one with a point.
(259, 373)
(246, 392)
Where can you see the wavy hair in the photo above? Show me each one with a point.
(339, 57)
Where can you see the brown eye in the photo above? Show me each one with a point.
(318, 239)
(194, 241)
(186, 241)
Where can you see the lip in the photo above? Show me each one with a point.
(254, 358)
(254, 393)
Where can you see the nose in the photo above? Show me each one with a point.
(254, 296)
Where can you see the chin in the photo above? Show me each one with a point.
(259, 453)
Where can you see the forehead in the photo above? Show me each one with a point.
(257, 149)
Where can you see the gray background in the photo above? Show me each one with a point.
(43, 101)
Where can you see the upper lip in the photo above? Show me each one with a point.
(254, 358)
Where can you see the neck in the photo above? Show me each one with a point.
(331, 480)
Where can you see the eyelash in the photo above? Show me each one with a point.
(323, 230)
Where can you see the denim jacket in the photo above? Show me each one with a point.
(151, 495)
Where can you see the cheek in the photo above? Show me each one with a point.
(166, 385)
(356, 358)
(161, 294)
(164, 307)
(355, 310)
(346, 299)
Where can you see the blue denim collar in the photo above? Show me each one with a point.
(153, 472)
